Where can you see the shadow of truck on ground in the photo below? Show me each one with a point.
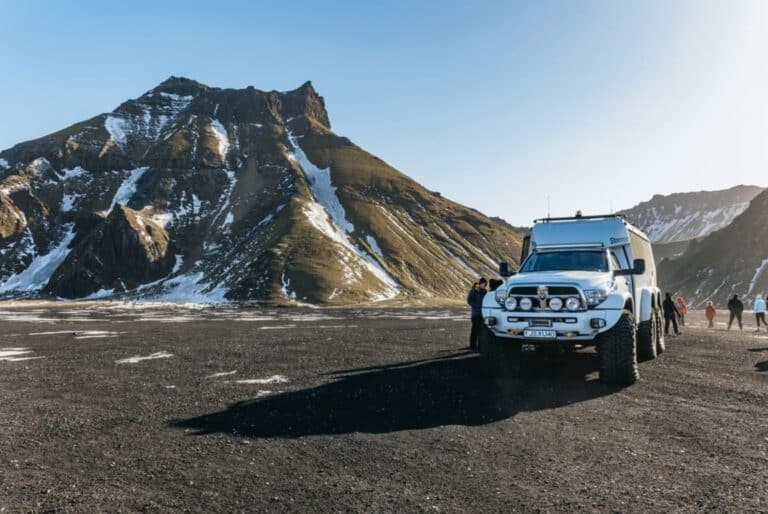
(410, 395)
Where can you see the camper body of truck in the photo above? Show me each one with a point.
(582, 281)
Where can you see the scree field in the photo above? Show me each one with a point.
(116, 406)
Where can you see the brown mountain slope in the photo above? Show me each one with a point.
(251, 195)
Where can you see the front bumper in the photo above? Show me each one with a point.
(569, 326)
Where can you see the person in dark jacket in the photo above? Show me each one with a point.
(670, 314)
(475, 301)
(736, 308)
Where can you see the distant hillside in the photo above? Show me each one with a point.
(685, 216)
(731, 260)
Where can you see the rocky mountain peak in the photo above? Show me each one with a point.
(197, 193)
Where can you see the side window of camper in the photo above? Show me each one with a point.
(641, 249)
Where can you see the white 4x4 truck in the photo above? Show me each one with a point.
(587, 280)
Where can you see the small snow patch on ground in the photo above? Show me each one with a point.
(274, 379)
(95, 334)
(222, 374)
(14, 354)
(134, 360)
(277, 327)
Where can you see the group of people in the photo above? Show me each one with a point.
(675, 310)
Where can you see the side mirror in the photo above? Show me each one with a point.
(638, 268)
(504, 270)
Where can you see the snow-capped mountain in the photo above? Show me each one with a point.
(191, 192)
(685, 216)
(731, 260)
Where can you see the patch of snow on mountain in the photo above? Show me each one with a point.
(322, 189)
(118, 129)
(226, 198)
(286, 287)
(190, 288)
(101, 293)
(4, 164)
(327, 215)
(128, 188)
(758, 272)
(68, 201)
(162, 218)
(39, 271)
(221, 136)
(70, 173)
(374, 245)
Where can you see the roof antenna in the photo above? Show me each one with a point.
(611, 206)
(549, 215)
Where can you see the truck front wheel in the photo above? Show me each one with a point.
(499, 358)
(618, 353)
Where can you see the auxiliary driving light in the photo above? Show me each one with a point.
(511, 303)
(526, 304)
(572, 303)
(556, 304)
(597, 323)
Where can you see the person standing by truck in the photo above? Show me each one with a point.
(475, 301)
(759, 309)
(736, 308)
(670, 314)
(710, 313)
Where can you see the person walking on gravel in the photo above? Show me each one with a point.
(475, 301)
(682, 308)
(759, 309)
(710, 313)
(670, 314)
(735, 308)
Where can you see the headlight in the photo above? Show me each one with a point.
(572, 304)
(511, 303)
(526, 304)
(598, 296)
(556, 304)
(501, 295)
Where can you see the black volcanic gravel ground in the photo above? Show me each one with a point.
(363, 411)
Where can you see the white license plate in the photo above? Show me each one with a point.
(534, 333)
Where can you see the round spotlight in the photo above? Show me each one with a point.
(511, 303)
(556, 304)
(572, 304)
(526, 304)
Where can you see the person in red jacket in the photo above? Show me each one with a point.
(710, 312)
(682, 309)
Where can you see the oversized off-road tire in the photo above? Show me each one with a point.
(618, 354)
(646, 339)
(499, 358)
(660, 347)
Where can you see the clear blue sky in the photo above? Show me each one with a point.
(496, 104)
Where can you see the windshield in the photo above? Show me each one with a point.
(567, 260)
